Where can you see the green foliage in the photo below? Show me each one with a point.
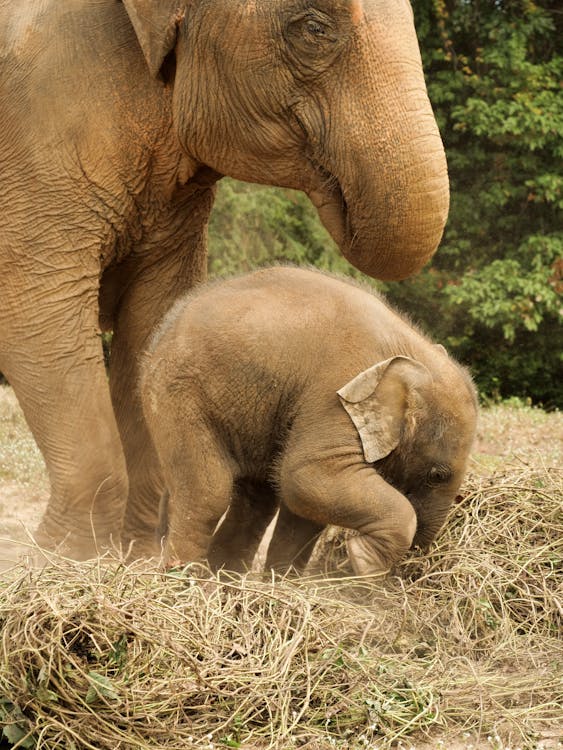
(494, 288)
(16, 729)
(492, 294)
(100, 687)
(252, 226)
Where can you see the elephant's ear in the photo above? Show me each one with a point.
(377, 401)
(156, 25)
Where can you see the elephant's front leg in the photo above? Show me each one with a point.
(356, 498)
(168, 264)
(51, 353)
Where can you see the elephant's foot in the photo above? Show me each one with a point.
(142, 537)
(78, 545)
(141, 545)
(364, 558)
(374, 553)
(84, 530)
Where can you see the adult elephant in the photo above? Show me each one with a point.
(116, 119)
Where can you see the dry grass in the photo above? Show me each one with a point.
(462, 643)
(465, 638)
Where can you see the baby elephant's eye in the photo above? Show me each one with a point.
(439, 475)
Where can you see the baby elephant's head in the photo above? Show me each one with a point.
(417, 428)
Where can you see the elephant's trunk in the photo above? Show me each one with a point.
(389, 207)
(394, 225)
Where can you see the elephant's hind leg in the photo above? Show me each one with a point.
(198, 475)
(292, 542)
(237, 539)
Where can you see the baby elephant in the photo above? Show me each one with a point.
(292, 389)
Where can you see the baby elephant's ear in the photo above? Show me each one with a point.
(377, 401)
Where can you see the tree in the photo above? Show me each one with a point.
(252, 225)
(493, 291)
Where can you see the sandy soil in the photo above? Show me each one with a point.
(23, 482)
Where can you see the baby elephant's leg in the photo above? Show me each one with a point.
(292, 542)
(237, 539)
(199, 478)
(356, 498)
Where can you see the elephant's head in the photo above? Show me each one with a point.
(326, 96)
(417, 429)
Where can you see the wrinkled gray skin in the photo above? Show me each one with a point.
(287, 386)
(116, 119)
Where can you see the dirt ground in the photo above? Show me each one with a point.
(23, 482)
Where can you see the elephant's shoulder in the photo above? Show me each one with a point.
(59, 30)
(19, 22)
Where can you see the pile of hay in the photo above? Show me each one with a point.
(463, 639)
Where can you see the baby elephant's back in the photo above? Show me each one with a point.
(262, 319)
(272, 333)
(238, 344)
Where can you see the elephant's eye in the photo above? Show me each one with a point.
(439, 475)
(315, 28)
(312, 31)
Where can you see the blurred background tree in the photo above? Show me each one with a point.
(492, 294)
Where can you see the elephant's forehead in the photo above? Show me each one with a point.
(387, 9)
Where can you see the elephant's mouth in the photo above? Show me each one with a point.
(331, 206)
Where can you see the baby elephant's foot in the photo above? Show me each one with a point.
(375, 552)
